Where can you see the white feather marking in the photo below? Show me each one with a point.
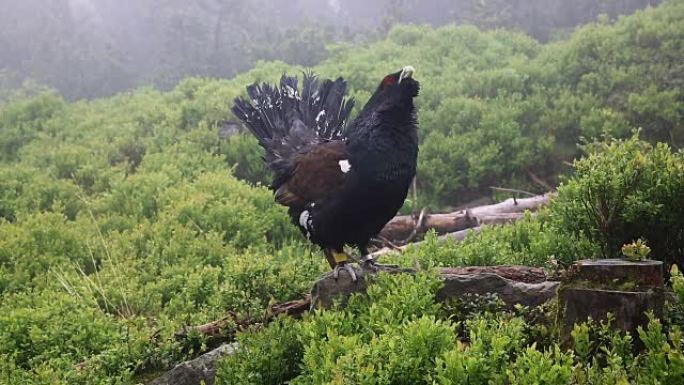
(345, 166)
(320, 115)
(304, 219)
(291, 92)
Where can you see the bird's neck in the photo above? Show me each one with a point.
(389, 149)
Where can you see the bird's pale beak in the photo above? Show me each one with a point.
(406, 73)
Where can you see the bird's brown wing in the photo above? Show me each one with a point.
(316, 173)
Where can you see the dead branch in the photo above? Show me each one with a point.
(225, 327)
(536, 179)
(512, 190)
(220, 328)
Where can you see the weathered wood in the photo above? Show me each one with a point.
(225, 328)
(513, 205)
(627, 308)
(516, 273)
(402, 227)
(616, 274)
(291, 308)
(507, 211)
(405, 227)
(219, 330)
(500, 219)
(510, 292)
(457, 236)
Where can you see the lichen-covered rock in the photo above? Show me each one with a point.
(201, 370)
(457, 283)
(509, 291)
(327, 289)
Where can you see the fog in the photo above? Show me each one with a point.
(93, 48)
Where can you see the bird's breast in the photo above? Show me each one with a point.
(383, 163)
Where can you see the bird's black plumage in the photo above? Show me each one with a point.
(341, 181)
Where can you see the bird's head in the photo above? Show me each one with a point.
(396, 90)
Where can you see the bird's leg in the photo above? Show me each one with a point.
(339, 260)
(368, 262)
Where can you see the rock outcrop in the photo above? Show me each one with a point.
(513, 284)
(201, 370)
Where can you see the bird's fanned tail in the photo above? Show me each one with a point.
(271, 112)
(324, 107)
(284, 120)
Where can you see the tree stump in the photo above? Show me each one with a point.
(625, 289)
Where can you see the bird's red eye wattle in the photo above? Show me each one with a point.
(388, 80)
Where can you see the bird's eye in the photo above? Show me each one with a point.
(388, 80)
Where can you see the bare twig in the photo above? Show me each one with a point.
(417, 227)
(512, 190)
(541, 182)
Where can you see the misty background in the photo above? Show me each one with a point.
(95, 48)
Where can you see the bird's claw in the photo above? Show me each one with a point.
(368, 262)
(348, 268)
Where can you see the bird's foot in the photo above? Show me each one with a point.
(344, 266)
(368, 262)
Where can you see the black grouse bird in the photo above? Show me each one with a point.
(342, 182)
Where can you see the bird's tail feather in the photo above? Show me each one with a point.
(277, 113)
(284, 121)
(324, 107)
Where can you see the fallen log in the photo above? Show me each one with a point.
(404, 228)
(513, 205)
(517, 273)
(456, 236)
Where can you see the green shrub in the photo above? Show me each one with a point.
(625, 190)
(267, 357)
(675, 307)
(541, 367)
(602, 354)
(243, 153)
(394, 299)
(532, 241)
(492, 342)
(404, 354)
(663, 362)
(23, 120)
